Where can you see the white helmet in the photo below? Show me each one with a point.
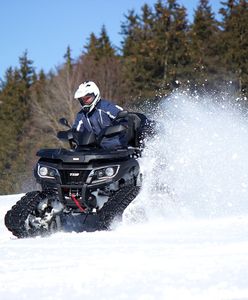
(88, 88)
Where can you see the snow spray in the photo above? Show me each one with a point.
(197, 164)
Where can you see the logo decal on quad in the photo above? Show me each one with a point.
(74, 174)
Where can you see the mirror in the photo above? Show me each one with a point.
(64, 122)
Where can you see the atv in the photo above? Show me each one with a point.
(84, 187)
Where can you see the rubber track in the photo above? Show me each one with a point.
(15, 218)
(116, 205)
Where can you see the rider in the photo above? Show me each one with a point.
(96, 114)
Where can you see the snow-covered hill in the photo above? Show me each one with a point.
(189, 259)
(184, 237)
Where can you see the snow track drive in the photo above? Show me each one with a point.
(33, 215)
(41, 213)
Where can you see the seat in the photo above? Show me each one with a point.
(134, 127)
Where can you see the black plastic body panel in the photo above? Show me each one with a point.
(74, 168)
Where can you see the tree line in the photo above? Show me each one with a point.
(160, 51)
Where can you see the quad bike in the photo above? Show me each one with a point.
(83, 188)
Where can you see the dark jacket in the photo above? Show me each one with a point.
(103, 115)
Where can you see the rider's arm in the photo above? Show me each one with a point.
(112, 110)
(78, 123)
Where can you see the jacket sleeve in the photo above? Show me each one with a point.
(78, 123)
(111, 109)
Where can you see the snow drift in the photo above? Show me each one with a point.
(198, 163)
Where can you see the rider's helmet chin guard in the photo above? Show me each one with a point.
(88, 95)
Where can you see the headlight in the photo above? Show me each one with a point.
(102, 174)
(109, 171)
(43, 171)
(46, 172)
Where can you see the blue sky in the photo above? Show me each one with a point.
(46, 27)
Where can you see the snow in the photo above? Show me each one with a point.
(189, 259)
(184, 237)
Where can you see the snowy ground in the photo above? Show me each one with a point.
(191, 259)
(185, 237)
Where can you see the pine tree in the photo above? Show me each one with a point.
(130, 49)
(129, 30)
(176, 54)
(14, 117)
(138, 51)
(204, 47)
(68, 59)
(105, 47)
(155, 48)
(235, 41)
(101, 64)
(100, 47)
(26, 69)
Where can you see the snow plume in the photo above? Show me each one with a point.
(197, 165)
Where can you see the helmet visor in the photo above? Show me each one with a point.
(87, 99)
